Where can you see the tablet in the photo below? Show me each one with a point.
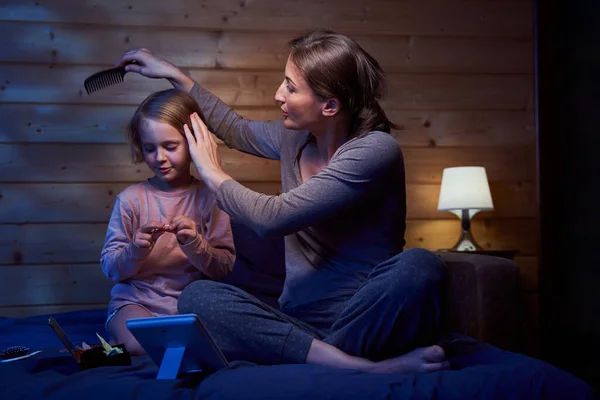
(177, 344)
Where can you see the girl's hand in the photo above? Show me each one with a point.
(149, 65)
(205, 153)
(147, 234)
(185, 229)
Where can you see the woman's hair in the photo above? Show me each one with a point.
(171, 106)
(334, 65)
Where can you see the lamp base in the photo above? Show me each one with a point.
(466, 242)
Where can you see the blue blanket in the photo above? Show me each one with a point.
(480, 371)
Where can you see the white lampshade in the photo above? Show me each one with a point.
(465, 188)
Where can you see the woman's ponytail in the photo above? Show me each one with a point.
(372, 118)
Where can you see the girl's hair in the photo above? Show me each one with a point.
(334, 65)
(171, 106)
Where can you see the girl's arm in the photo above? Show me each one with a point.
(120, 259)
(212, 252)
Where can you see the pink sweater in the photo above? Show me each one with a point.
(154, 278)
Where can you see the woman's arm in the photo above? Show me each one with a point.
(357, 170)
(143, 62)
(260, 138)
(353, 171)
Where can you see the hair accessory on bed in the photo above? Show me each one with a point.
(14, 352)
(92, 356)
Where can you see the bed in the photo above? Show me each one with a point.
(479, 370)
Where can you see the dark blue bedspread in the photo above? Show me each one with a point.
(480, 371)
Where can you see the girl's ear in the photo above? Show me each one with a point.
(331, 107)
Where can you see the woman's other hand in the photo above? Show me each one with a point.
(185, 229)
(150, 65)
(205, 153)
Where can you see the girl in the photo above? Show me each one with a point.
(352, 297)
(164, 232)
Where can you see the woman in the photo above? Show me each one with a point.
(352, 298)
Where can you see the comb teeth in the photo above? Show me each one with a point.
(103, 79)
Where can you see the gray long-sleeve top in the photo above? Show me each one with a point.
(339, 224)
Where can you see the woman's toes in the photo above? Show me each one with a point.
(433, 354)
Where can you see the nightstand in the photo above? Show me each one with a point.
(510, 254)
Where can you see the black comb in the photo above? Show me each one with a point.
(103, 79)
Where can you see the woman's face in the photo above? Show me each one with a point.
(301, 108)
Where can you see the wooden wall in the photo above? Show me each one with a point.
(461, 82)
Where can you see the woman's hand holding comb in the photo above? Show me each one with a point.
(149, 65)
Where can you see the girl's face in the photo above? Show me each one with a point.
(301, 107)
(165, 152)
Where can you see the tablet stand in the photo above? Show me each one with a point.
(169, 367)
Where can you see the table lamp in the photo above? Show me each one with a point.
(465, 191)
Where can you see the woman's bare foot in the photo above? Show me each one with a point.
(423, 359)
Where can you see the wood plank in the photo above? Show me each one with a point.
(459, 92)
(103, 45)
(502, 163)
(92, 202)
(53, 284)
(394, 53)
(82, 243)
(72, 202)
(111, 163)
(51, 243)
(496, 234)
(74, 123)
(464, 128)
(425, 17)
(108, 163)
(511, 200)
(33, 311)
(64, 84)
